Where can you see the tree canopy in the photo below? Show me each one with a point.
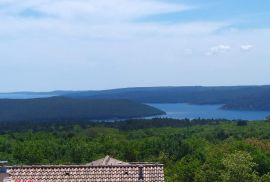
(196, 150)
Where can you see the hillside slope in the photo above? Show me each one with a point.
(232, 97)
(235, 98)
(61, 108)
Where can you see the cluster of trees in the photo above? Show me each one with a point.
(123, 125)
(201, 150)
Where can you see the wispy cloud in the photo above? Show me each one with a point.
(110, 40)
(101, 9)
(96, 19)
(219, 49)
(246, 48)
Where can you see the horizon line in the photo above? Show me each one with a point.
(135, 87)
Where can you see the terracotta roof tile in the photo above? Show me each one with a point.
(104, 170)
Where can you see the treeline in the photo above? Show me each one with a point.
(123, 125)
(135, 124)
(197, 150)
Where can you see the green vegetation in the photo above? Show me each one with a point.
(233, 98)
(198, 150)
(61, 108)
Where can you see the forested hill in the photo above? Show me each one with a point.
(69, 109)
(236, 98)
(233, 97)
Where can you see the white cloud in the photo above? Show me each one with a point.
(219, 49)
(44, 27)
(246, 48)
(89, 39)
(101, 9)
(96, 19)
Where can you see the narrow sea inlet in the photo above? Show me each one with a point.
(181, 111)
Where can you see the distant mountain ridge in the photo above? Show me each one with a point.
(69, 109)
(232, 97)
(32, 95)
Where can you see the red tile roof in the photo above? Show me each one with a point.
(104, 170)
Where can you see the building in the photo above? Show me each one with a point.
(3, 171)
(107, 169)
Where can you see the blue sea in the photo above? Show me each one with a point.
(181, 111)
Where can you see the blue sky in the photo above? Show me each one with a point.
(90, 44)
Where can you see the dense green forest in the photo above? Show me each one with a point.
(61, 108)
(233, 98)
(191, 150)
